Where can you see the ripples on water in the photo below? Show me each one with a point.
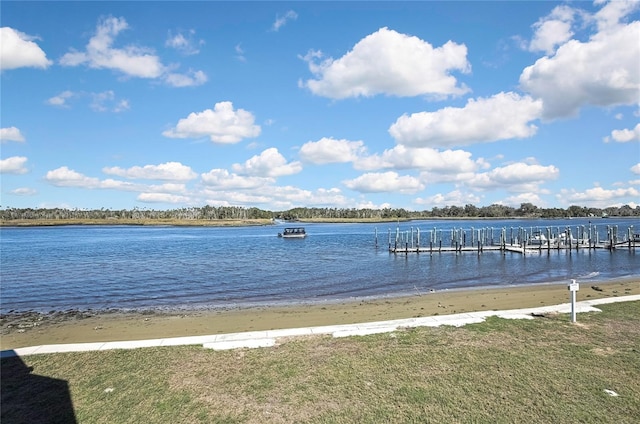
(58, 268)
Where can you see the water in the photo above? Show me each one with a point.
(132, 267)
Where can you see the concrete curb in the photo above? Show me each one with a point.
(255, 339)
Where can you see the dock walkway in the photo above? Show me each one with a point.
(517, 240)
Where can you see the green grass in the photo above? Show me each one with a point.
(501, 371)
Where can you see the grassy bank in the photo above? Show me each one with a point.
(543, 370)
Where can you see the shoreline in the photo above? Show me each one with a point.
(74, 326)
(253, 222)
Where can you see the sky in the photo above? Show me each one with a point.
(276, 105)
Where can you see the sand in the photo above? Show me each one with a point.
(76, 327)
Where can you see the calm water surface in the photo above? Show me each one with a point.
(131, 267)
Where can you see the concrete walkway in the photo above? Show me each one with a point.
(268, 338)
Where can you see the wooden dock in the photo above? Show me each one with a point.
(517, 240)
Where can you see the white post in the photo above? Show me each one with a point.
(573, 288)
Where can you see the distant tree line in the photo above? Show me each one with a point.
(526, 210)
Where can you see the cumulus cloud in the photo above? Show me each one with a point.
(521, 198)
(515, 177)
(222, 125)
(636, 168)
(387, 62)
(598, 196)
(162, 198)
(282, 20)
(624, 135)
(553, 30)
(422, 158)
(384, 182)
(65, 177)
(131, 60)
(453, 198)
(169, 171)
(330, 150)
(20, 51)
(11, 134)
(269, 163)
(602, 71)
(14, 165)
(612, 13)
(223, 179)
(500, 117)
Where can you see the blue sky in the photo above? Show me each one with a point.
(277, 105)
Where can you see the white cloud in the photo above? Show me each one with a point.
(19, 51)
(384, 182)
(14, 165)
(598, 196)
(269, 163)
(330, 150)
(162, 198)
(453, 198)
(501, 117)
(282, 20)
(169, 171)
(553, 30)
(601, 72)
(425, 159)
(185, 43)
(387, 62)
(223, 179)
(222, 125)
(636, 168)
(275, 197)
(517, 200)
(131, 60)
(612, 12)
(288, 197)
(11, 134)
(516, 177)
(624, 135)
(65, 177)
(24, 191)
(190, 79)
(106, 101)
(240, 53)
(61, 99)
(168, 188)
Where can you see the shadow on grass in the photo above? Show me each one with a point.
(30, 398)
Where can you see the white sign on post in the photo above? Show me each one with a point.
(573, 288)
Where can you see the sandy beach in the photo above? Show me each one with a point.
(78, 327)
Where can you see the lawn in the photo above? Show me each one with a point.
(545, 370)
